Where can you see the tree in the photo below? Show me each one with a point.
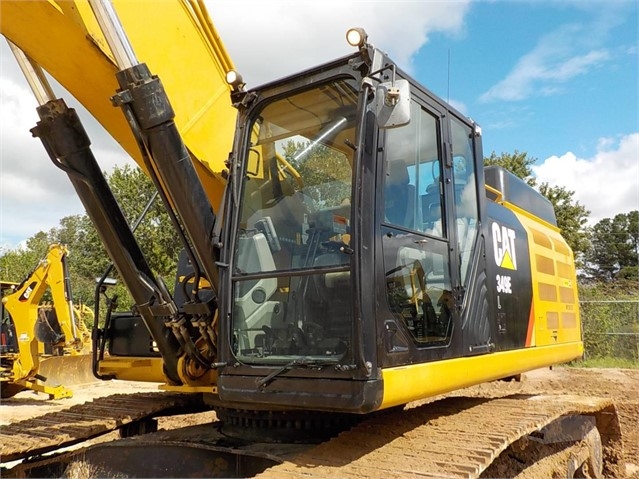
(17, 264)
(614, 248)
(326, 173)
(88, 258)
(155, 234)
(518, 163)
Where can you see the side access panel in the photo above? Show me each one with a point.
(509, 280)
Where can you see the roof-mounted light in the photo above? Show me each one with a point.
(356, 37)
(234, 79)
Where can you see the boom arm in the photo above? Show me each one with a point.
(167, 160)
(178, 42)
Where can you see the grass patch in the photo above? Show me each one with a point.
(607, 362)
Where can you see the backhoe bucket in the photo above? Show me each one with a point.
(56, 376)
(67, 371)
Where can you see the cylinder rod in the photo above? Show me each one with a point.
(114, 33)
(34, 75)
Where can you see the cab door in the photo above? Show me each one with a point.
(466, 212)
(417, 313)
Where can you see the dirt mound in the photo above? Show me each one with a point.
(620, 385)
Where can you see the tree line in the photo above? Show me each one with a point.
(88, 259)
(606, 254)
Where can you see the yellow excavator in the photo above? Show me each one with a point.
(44, 347)
(345, 253)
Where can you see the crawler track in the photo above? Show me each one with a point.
(452, 438)
(85, 421)
(457, 437)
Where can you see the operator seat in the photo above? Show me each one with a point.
(432, 205)
(399, 195)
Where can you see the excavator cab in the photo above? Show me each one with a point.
(356, 262)
(358, 267)
(352, 244)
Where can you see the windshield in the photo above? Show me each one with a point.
(295, 222)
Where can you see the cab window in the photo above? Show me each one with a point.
(464, 180)
(413, 192)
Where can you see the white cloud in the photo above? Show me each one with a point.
(576, 65)
(606, 184)
(507, 116)
(21, 154)
(557, 58)
(266, 40)
(278, 38)
(34, 194)
(459, 105)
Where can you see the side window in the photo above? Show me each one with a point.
(413, 193)
(7, 331)
(416, 268)
(465, 193)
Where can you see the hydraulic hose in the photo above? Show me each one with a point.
(68, 145)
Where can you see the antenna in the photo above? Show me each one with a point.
(448, 85)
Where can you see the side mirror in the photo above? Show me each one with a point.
(105, 283)
(108, 281)
(393, 104)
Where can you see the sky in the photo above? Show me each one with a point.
(555, 79)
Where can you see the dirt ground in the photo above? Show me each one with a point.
(622, 385)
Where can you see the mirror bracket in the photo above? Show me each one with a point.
(393, 99)
(393, 104)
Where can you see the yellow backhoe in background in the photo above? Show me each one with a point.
(44, 347)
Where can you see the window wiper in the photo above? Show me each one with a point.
(299, 362)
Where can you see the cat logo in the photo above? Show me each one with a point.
(504, 247)
(27, 292)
